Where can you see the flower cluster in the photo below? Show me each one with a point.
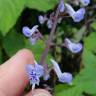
(36, 71)
(63, 7)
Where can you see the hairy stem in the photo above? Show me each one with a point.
(44, 55)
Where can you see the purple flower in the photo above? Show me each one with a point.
(85, 2)
(73, 47)
(63, 77)
(33, 77)
(42, 19)
(61, 6)
(35, 72)
(79, 15)
(26, 31)
(49, 23)
(76, 15)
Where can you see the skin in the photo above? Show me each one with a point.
(13, 77)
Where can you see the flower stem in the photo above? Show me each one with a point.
(44, 55)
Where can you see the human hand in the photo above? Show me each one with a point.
(13, 77)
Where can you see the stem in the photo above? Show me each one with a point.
(44, 55)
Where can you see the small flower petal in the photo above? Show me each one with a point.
(79, 15)
(26, 31)
(65, 78)
(61, 6)
(56, 67)
(39, 69)
(34, 79)
(85, 2)
(69, 9)
(76, 15)
(73, 47)
(49, 24)
(41, 19)
(34, 29)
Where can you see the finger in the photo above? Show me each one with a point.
(39, 92)
(13, 78)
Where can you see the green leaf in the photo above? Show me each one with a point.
(13, 42)
(93, 25)
(9, 12)
(42, 5)
(90, 42)
(79, 34)
(37, 50)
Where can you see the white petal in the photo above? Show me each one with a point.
(49, 24)
(69, 9)
(34, 29)
(61, 6)
(56, 67)
(41, 19)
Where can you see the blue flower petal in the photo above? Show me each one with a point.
(26, 31)
(79, 15)
(65, 78)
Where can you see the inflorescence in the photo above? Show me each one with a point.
(38, 70)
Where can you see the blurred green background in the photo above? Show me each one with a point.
(14, 14)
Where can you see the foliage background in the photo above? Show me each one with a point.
(15, 14)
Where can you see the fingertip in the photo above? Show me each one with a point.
(39, 92)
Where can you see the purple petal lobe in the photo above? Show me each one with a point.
(65, 78)
(26, 31)
(79, 15)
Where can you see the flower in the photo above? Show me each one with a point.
(35, 72)
(63, 77)
(28, 32)
(85, 2)
(49, 23)
(61, 6)
(76, 15)
(73, 47)
(42, 19)
(32, 34)
(33, 77)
